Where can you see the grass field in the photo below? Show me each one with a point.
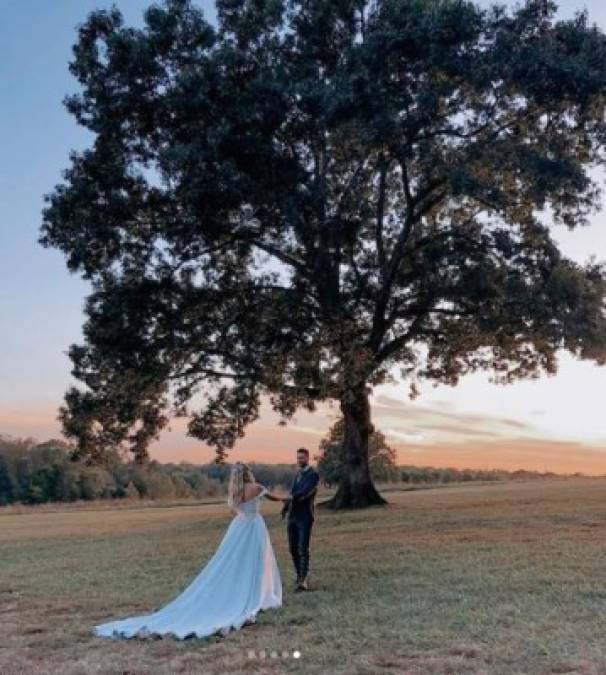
(502, 578)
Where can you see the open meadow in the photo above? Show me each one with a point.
(468, 578)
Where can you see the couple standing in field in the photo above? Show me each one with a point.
(242, 577)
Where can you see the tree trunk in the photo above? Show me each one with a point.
(356, 489)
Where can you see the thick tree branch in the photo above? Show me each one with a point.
(379, 325)
(380, 216)
(397, 343)
(205, 371)
(280, 255)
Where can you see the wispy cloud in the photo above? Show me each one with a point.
(404, 435)
(423, 423)
(306, 430)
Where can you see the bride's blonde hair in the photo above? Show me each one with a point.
(235, 489)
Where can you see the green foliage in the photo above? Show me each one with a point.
(96, 482)
(8, 483)
(130, 491)
(33, 473)
(315, 192)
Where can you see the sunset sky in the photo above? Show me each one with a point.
(554, 423)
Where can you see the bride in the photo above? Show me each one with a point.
(241, 578)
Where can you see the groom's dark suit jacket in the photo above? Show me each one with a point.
(304, 487)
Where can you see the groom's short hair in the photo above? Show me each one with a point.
(305, 450)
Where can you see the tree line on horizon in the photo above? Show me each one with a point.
(33, 472)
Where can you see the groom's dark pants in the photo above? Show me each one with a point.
(299, 532)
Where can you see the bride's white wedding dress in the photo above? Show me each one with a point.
(241, 579)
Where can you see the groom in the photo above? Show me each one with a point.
(300, 510)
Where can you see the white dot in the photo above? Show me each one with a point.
(296, 654)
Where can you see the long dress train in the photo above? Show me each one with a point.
(241, 579)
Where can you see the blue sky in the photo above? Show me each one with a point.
(41, 302)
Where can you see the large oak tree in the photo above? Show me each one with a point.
(310, 194)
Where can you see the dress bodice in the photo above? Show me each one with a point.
(250, 507)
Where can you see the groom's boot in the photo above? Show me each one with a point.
(299, 575)
(302, 579)
(297, 563)
(302, 576)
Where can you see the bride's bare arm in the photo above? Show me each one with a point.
(273, 497)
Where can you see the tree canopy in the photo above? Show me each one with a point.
(310, 194)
